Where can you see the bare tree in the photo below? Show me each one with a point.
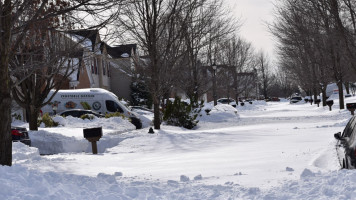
(157, 26)
(17, 17)
(206, 19)
(264, 69)
(314, 39)
(237, 54)
(47, 59)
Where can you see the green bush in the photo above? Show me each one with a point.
(87, 116)
(115, 114)
(47, 120)
(181, 114)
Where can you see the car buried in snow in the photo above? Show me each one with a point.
(20, 134)
(295, 99)
(346, 145)
(229, 101)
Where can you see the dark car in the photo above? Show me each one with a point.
(295, 99)
(275, 99)
(227, 101)
(79, 112)
(20, 134)
(345, 146)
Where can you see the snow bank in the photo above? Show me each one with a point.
(68, 137)
(19, 182)
(218, 113)
(271, 150)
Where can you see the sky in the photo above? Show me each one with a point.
(254, 15)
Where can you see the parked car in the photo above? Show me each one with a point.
(227, 101)
(346, 145)
(20, 134)
(79, 112)
(295, 99)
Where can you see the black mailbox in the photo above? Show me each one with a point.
(317, 102)
(92, 132)
(93, 135)
(330, 103)
(351, 105)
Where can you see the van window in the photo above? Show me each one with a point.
(112, 106)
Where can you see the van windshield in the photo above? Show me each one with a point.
(112, 106)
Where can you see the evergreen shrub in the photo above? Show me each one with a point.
(181, 114)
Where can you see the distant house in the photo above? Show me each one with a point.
(122, 60)
(100, 65)
(94, 70)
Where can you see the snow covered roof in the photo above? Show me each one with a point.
(85, 37)
(121, 51)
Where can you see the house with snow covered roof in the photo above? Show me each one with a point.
(94, 70)
(101, 65)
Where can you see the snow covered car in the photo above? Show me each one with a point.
(229, 101)
(295, 99)
(346, 145)
(79, 112)
(20, 134)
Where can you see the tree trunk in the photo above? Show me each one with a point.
(323, 91)
(341, 95)
(5, 99)
(347, 87)
(33, 115)
(5, 123)
(157, 119)
(315, 92)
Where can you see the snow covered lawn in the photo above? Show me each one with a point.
(264, 150)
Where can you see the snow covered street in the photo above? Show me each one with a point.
(271, 150)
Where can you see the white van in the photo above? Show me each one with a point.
(96, 99)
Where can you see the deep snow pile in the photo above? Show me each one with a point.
(260, 151)
(61, 139)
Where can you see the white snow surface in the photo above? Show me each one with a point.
(273, 150)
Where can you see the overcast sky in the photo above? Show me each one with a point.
(255, 14)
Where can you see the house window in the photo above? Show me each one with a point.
(95, 66)
(104, 67)
(91, 65)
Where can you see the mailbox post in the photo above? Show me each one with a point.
(330, 103)
(93, 135)
(351, 107)
(318, 102)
